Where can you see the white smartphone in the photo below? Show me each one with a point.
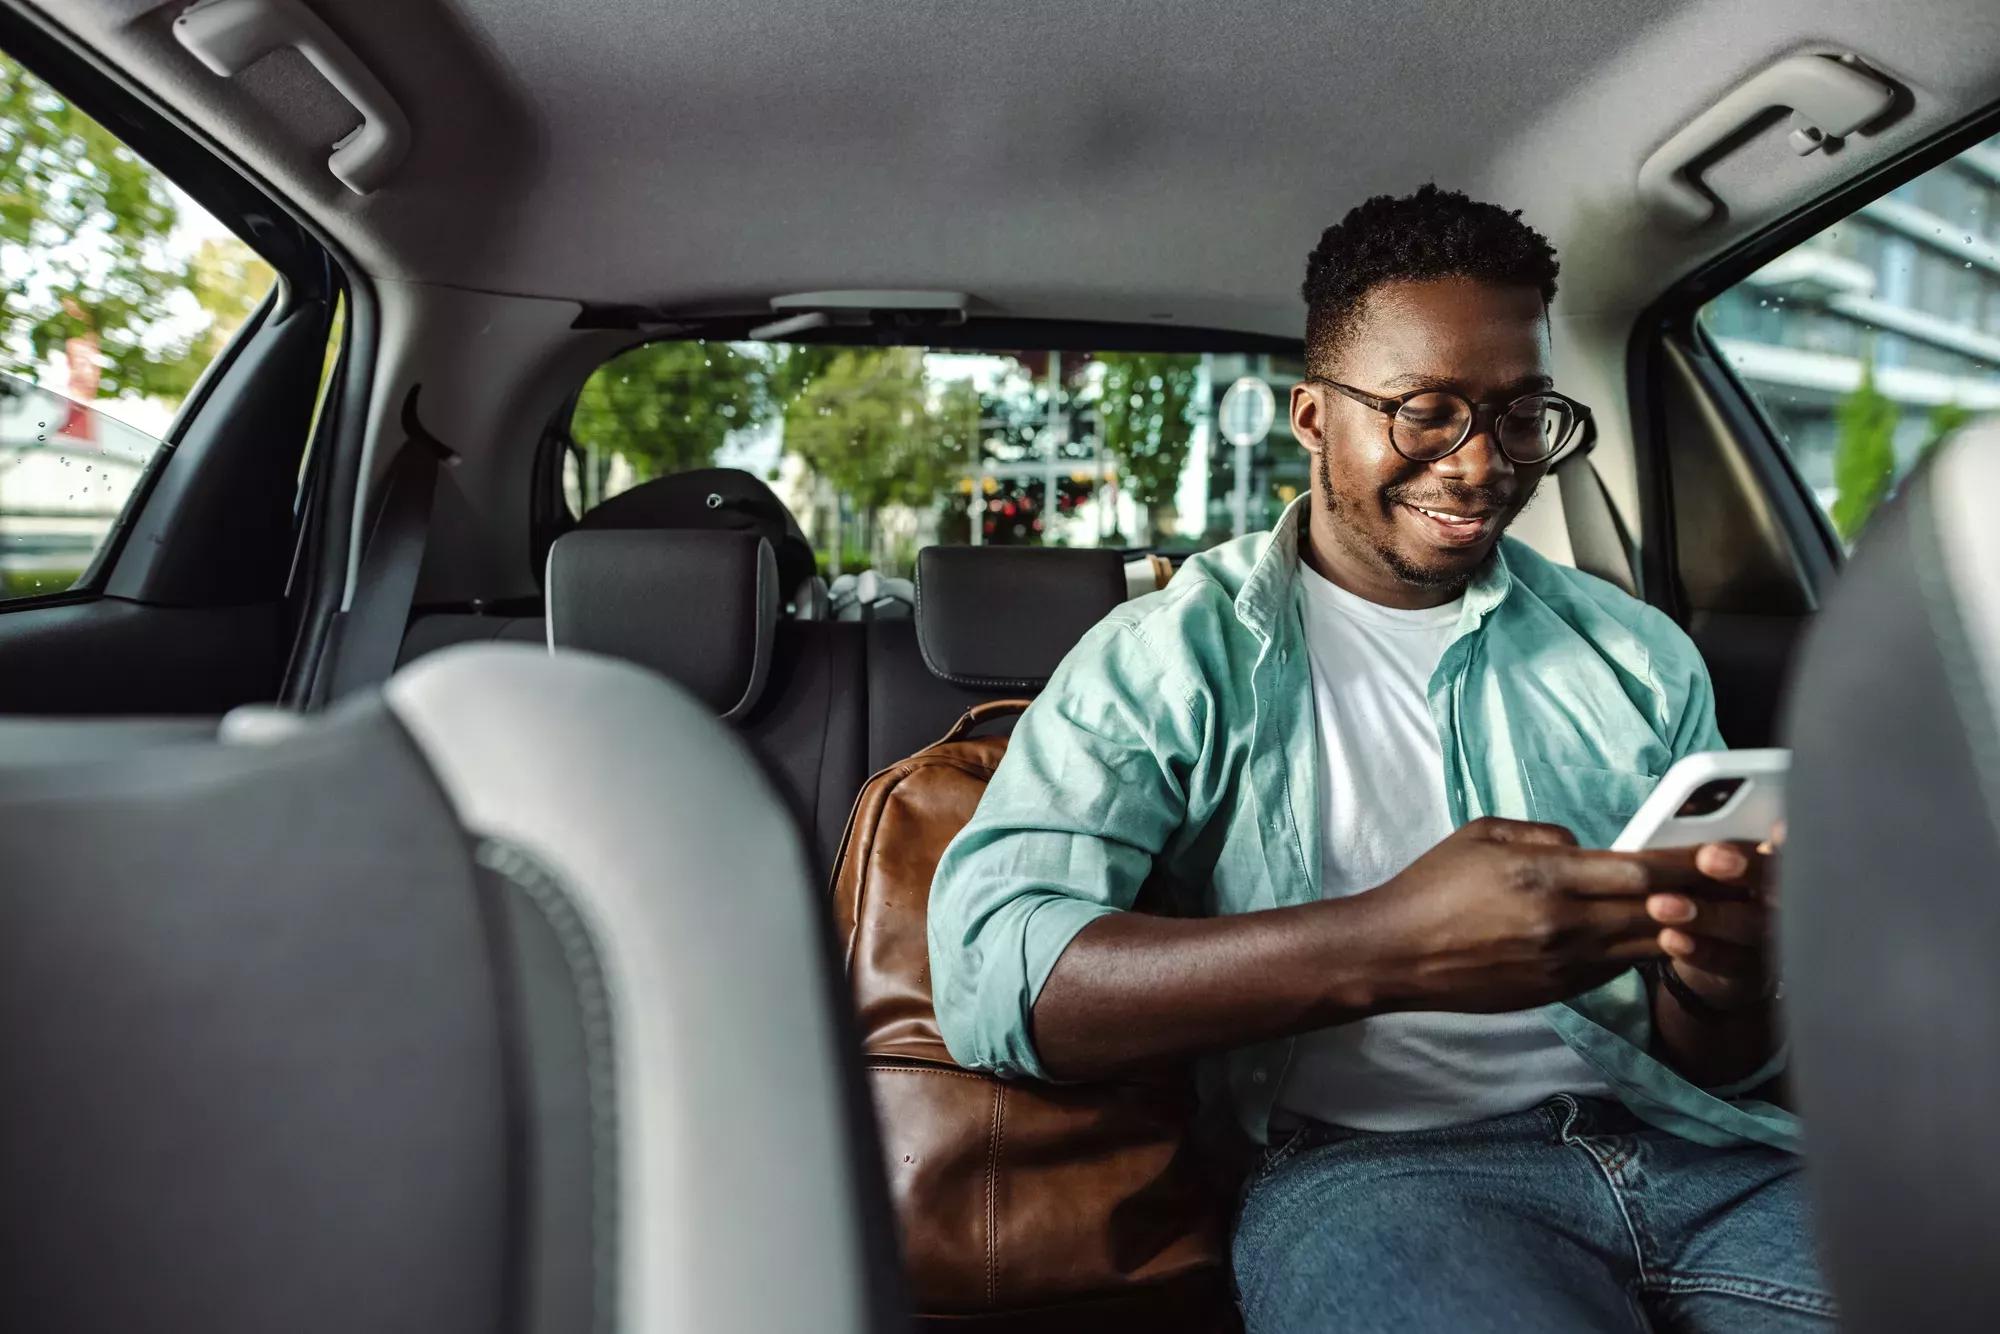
(1718, 796)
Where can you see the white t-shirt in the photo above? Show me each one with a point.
(1382, 805)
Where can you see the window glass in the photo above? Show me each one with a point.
(116, 291)
(880, 451)
(1876, 339)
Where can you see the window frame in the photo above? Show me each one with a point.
(1671, 320)
(306, 265)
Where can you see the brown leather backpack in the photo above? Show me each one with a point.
(1051, 1207)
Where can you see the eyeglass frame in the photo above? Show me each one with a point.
(1584, 432)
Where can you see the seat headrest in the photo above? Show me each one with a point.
(728, 499)
(1001, 618)
(700, 608)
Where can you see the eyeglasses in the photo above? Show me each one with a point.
(1433, 423)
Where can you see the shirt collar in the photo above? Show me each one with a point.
(1271, 587)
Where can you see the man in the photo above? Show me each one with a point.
(1353, 760)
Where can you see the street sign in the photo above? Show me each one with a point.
(1249, 410)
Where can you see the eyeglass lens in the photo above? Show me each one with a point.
(1430, 426)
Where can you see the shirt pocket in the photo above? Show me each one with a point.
(1592, 803)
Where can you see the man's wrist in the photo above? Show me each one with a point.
(1355, 979)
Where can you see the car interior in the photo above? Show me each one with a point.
(484, 485)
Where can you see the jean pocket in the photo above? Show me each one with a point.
(1275, 1156)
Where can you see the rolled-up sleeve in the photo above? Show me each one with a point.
(1093, 785)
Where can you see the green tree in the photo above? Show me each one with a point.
(229, 280)
(868, 424)
(1145, 412)
(1945, 419)
(1864, 458)
(90, 253)
(667, 407)
(85, 251)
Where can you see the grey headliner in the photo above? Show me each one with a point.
(1114, 160)
(1117, 159)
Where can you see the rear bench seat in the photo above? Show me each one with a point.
(823, 703)
(826, 703)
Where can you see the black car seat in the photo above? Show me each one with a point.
(1892, 904)
(704, 608)
(991, 623)
(498, 998)
(727, 500)
(704, 500)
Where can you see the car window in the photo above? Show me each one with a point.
(116, 292)
(1874, 340)
(880, 451)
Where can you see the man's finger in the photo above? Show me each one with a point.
(1740, 922)
(1753, 871)
(1590, 872)
(1613, 918)
(1713, 956)
(1731, 863)
(1530, 832)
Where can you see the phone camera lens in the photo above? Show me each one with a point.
(1710, 797)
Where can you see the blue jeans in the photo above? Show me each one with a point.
(1573, 1215)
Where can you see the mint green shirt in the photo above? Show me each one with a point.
(1175, 749)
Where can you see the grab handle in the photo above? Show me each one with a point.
(231, 35)
(1831, 98)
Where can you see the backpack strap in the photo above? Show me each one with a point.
(980, 714)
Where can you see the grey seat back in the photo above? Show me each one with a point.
(399, 1020)
(1892, 904)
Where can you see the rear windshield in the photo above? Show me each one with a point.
(880, 451)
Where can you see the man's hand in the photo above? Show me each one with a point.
(1503, 915)
(1508, 915)
(1718, 939)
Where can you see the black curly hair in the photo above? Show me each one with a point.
(1430, 234)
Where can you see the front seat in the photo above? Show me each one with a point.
(498, 999)
(1892, 905)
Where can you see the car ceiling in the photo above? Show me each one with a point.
(1112, 160)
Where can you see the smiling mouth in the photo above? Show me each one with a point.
(1455, 520)
(1451, 529)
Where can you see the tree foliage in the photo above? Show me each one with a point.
(1944, 420)
(667, 407)
(867, 424)
(1864, 457)
(1146, 414)
(87, 251)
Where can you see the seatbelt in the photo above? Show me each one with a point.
(368, 637)
(1598, 540)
